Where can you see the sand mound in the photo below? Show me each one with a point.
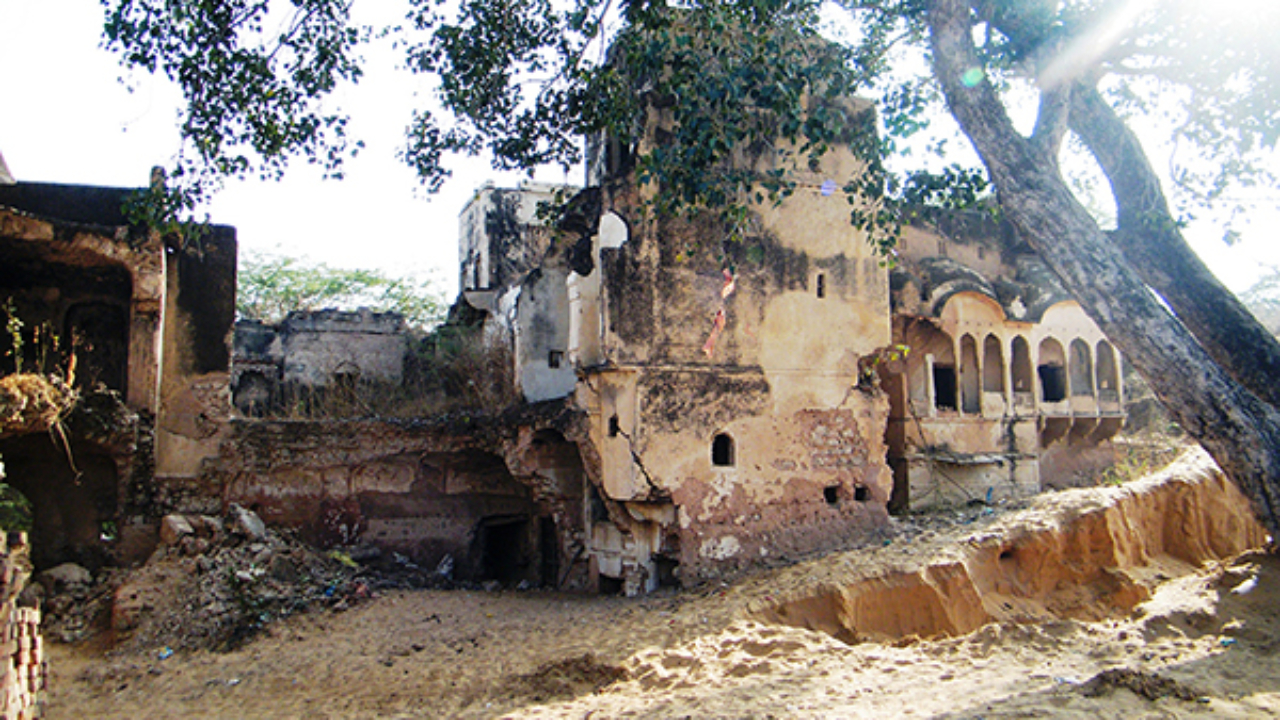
(1082, 555)
(1211, 631)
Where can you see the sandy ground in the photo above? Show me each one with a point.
(1204, 643)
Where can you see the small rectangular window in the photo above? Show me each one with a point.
(614, 428)
(554, 358)
(822, 286)
(944, 387)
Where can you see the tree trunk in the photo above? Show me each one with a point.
(1155, 248)
(1148, 235)
(1241, 432)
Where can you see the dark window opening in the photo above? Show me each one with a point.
(831, 494)
(668, 575)
(554, 358)
(970, 378)
(944, 387)
(722, 451)
(862, 493)
(610, 585)
(1053, 383)
(822, 285)
(614, 428)
(503, 549)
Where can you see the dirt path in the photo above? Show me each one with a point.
(1204, 643)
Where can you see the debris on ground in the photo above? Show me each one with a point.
(1146, 685)
(211, 584)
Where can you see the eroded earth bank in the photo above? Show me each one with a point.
(1151, 599)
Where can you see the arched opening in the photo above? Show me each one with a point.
(1020, 372)
(932, 382)
(992, 365)
(1108, 375)
(970, 376)
(1081, 366)
(1052, 371)
(62, 307)
(722, 450)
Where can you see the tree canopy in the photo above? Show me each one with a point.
(1030, 83)
(269, 287)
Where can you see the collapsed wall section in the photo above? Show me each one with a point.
(501, 498)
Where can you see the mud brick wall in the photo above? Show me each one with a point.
(22, 662)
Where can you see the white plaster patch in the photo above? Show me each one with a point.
(720, 548)
(722, 484)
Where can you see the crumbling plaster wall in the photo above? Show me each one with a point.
(71, 255)
(501, 238)
(199, 315)
(510, 271)
(804, 465)
(318, 346)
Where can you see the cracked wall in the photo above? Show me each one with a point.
(718, 380)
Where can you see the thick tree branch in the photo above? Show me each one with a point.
(1155, 248)
(1239, 430)
(1052, 120)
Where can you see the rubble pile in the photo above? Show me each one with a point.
(212, 583)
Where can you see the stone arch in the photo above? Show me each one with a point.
(1051, 369)
(1081, 369)
(1108, 374)
(931, 369)
(992, 365)
(252, 393)
(1023, 381)
(970, 376)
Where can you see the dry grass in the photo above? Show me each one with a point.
(32, 403)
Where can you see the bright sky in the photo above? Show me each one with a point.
(64, 117)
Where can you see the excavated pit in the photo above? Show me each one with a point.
(1082, 554)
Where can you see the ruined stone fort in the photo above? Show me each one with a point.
(678, 406)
